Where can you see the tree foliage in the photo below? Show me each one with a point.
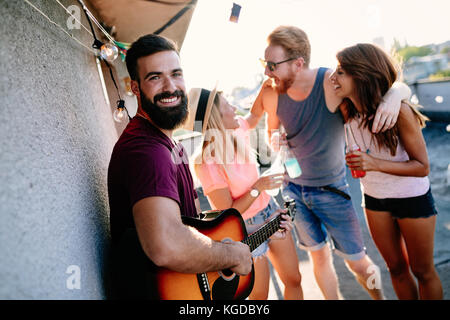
(440, 75)
(445, 50)
(408, 52)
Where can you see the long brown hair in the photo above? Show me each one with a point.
(373, 73)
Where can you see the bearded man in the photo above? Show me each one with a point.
(303, 100)
(150, 188)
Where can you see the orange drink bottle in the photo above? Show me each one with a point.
(352, 146)
(356, 173)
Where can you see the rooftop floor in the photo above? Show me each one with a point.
(349, 287)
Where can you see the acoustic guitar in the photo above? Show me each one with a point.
(223, 285)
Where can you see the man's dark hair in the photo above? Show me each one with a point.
(145, 46)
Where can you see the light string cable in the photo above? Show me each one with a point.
(97, 44)
(93, 19)
(75, 18)
(120, 102)
(57, 25)
(123, 47)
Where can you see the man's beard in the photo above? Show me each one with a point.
(285, 84)
(167, 118)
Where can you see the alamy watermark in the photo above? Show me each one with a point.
(73, 22)
(374, 280)
(74, 280)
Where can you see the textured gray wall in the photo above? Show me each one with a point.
(56, 137)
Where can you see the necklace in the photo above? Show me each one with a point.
(367, 148)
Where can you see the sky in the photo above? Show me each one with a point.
(218, 51)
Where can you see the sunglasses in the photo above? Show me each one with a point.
(273, 65)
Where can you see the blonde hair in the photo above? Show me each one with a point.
(293, 40)
(220, 145)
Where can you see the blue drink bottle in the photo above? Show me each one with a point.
(291, 164)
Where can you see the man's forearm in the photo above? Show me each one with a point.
(387, 112)
(400, 89)
(252, 119)
(198, 253)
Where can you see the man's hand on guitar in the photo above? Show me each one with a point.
(244, 261)
(286, 226)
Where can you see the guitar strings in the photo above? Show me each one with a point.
(258, 237)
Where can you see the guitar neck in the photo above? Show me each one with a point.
(258, 237)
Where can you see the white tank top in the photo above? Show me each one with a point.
(382, 185)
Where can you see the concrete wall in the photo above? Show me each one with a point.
(56, 137)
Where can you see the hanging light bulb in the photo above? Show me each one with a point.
(109, 52)
(121, 112)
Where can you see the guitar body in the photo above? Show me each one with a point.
(137, 277)
(171, 285)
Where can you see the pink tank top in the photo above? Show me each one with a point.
(238, 179)
(382, 185)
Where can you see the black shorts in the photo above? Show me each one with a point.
(413, 207)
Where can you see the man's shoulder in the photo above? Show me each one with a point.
(141, 147)
(332, 100)
(270, 99)
(138, 139)
(140, 134)
(327, 75)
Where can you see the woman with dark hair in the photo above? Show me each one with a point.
(397, 198)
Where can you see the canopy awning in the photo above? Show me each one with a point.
(135, 18)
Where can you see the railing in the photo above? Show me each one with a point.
(434, 96)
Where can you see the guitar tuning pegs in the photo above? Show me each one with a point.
(289, 204)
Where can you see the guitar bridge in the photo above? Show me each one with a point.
(203, 284)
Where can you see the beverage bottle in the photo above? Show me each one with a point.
(350, 147)
(356, 173)
(276, 167)
(290, 162)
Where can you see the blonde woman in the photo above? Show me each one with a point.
(227, 169)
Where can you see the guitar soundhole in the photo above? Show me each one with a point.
(227, 273)
(225, 289)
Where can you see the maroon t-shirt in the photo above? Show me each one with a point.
(145, 163)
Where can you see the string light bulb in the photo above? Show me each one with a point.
(109, 52)
(121, 112)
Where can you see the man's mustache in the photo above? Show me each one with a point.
(167, 94)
